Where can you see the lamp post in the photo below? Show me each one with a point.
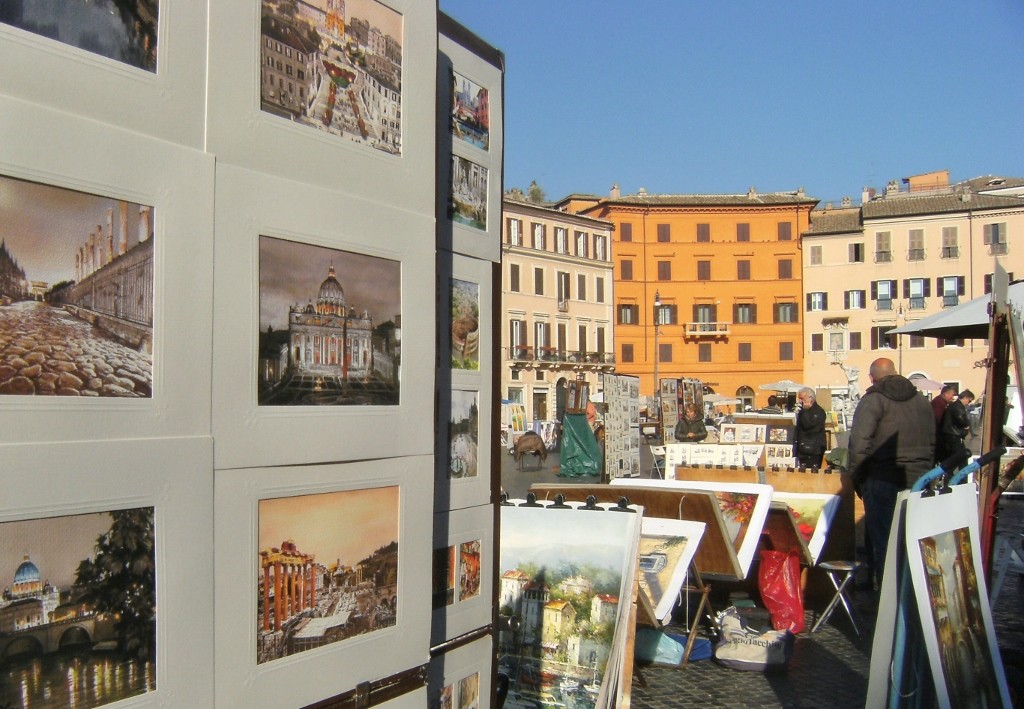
(899, 340)
(657, 324)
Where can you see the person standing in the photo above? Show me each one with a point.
(939, 406)
(690, 428)
(809, 441)
(892, 442)
(956, 424)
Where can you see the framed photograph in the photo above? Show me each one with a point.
(461, 678)
(142, 521)
(337, 94)
(319, 307)
(667, 547)
(321, 578)
(99, 228)
(944, 553)
(139, 65)
(463, 571)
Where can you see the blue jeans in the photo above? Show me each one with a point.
(879, 498)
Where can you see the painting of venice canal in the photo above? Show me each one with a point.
(327, 569)
(76, 293)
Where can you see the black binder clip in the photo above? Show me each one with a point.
(591, 504)
(559, 503)
(531, 500)
(504, 500)
(622, 506)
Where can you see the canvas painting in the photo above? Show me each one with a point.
(469, 569)
(444, 577)
(76, 293)
(667, 547)
(330, 326)
(470, 112)
(464, 435)
(123, 30)
(813, 514)
(465, 324)
(469, 692)
(469, 193)
(335, 66)
(327, 569)
(69, 634)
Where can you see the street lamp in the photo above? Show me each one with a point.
(899, 340)
(657, 323)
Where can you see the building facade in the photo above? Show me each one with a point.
(557, 305)
(725, 271)
(898, 257)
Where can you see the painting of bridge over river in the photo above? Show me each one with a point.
(69, 635)
(76, 293)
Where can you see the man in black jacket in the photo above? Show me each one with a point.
(809, 440)
(891, 445)
(955, 425)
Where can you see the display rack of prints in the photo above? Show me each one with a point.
(318, 309)
(320, 580)
(138, 515)
(461, 678)
(463, 571)
(100, 229)
(622, 433)
(684, 454)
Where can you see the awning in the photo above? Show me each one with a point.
(969, 320)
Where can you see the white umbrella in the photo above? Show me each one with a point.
(724, 402)
(785, 385)
(926, 384)
(969, 320)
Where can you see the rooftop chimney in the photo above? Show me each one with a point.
(867, 195)
(615, 194)
(892, 188)
(752, 193)
(642, 192)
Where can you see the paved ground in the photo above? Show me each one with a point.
(828, 669)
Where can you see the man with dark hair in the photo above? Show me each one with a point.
(939, 405)
(956, 424)
(892, 443)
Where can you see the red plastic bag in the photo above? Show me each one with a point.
(778, 580)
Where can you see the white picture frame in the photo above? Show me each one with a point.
(168, 103)
(172, 475)
(465, 614)
(829, 504)
(459, 664)
(241, 133)
(651, 529)
(177, 182)
(253, 205)
(312, 675)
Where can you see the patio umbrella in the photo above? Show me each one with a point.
(926, 384)
(785, 385)
(969, 320)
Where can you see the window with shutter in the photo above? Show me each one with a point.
(743, 270)
(599, 290)
(742, 232)
(785, 268)
(703, 233)
(664, 270)
(627, 353)
(626, 270)
(950, 249)
(785, 231)
(854, 340)
(817, 342)
(665, 352)
(703, 270)
(625, 232)
(785, 351)
(538, 281)
(664, 233)
(704, 352)
(744, 352)
(581, 287)
(513, 277)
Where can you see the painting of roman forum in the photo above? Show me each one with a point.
(334, 65)
(76, 293)
(465, 324)
(330, 326)
(327, 569)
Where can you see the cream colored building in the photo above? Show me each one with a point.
(556, 305)
(900, 256)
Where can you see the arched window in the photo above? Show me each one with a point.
(746, 396)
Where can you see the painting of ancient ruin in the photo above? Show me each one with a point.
(327, 569)
(76, 293)
(469, 193)
(465, 324)
(470, 112)
(336, 66)
(330, 326)
(69, 634)
(124, 30)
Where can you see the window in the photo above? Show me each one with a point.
(857, 253)
(517, 338)
(599, 290)
(627, 353)
(581, 244)
(950, 288)
(703, 233)
(625, 232)
(784, 312)
(626, 270)
(988, 281)
(785, 231)
(817, 342)
(541, 336)
(601, 248)
(561, 240)
(629, 314)
(883, 292)
(881, 339)
(917, 341)
(581, 334)
(817, 301)
(883, 247)
(854, 340)
(854, 300)
(666, 314)
(600, 341)
(942, 342)
(785, 351)
(785, 268)
(513, 277)
(744, 352)
(703, 270)
(539, 237)
(665, 352)
(563, 288)
(742, 232)
(949, 242)
(664, 233)
(538, 281)
(815, 256)
(916, 290)
(515, 232)
(664, 270)
(995, 237)
(915, 245)
(581, 287)
(745, 313)
(562, 334)
(743, 270)
(704, 352)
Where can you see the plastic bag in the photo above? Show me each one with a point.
(742, 648)
(778, 580)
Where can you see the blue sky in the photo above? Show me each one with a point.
(686, 96)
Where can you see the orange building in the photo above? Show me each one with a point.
(726, 270)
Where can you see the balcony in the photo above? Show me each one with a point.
(997, 248)
(563, 305)
(706, 329)
(883, 256)
(529, 357)
(950, 252)
(915, 255)
(917, 303)
(883, 303)
(948, 301)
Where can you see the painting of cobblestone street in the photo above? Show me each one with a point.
(76, 293)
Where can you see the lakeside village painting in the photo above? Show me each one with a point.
(76, 293)
(561, 574)
(470, 112)
(465, 324)
(327, 569)
(334, 65)
(78, 616)
(330, 326)
(124, 30)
